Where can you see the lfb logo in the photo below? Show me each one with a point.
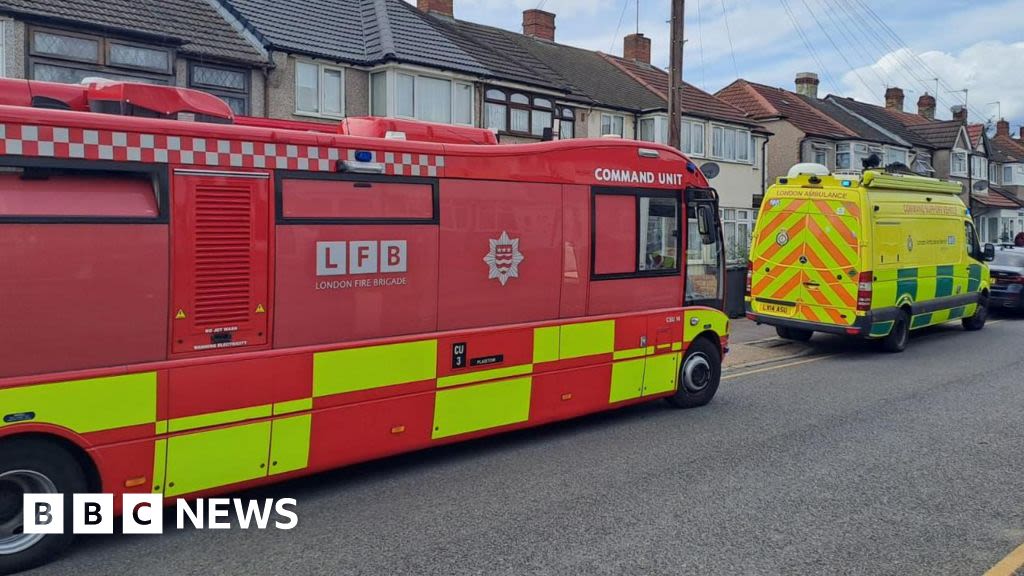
(504, 258)
(361, 257)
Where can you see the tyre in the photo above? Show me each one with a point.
(898, 338)
(796, 334)
(977, 322)
(699, 375)
(34, 466)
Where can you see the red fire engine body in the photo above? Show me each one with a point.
(189, 308)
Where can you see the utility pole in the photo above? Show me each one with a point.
(675, 90)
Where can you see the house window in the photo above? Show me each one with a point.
(1008, 175)
(820, 155)
(979, 167)
(851, 155)
(70, 57)
(613, 124)
(433, 97)
(958, 163)
(730, 144)
(405, 91)
(229, 84)
(519, 113)
(737, 225)
(3, 51)
(427, 98)
(567, 124)
(692, 138)
(379, 94)
(654, 129)
(895, 156)
(844, 157)
(319, 90)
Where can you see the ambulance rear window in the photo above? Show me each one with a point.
(357, 200)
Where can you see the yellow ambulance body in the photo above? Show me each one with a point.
(873, 255)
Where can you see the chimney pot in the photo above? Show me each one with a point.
(1021, 135)
(894, 99)
(637, 47)
(539, 24)
(926, 106)
(1003, 128)
(807, 84)
(959, 113)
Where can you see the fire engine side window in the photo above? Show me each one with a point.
(360, 199)
(47, 194)
(636, 233)
(614, 234)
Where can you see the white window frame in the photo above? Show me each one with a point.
(953, 155)
(736, 131)
(611, 122)
(733, 221)
(321, 69)
(3, 48)
(391, 92)
(691, 124)
(979, 162)
(895, 150)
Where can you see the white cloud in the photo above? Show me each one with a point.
(991, 71)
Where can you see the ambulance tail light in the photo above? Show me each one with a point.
(864, 291)
(750, 272)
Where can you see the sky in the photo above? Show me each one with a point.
(972, 45)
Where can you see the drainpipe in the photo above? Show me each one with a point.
(764, 170)
(266, 85)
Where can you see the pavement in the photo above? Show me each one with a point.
(843, 461)
(751, 344)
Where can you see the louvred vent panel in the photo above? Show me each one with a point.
(223, 256)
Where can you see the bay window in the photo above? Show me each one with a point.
(433, 97)
(731, 144)
(567, 124)
(319, 90)
(70, 57)
(520, 113)
(229, 84)
(692, 138)
(654, 129)
(407, 94)
(958, 163)
(851, 155)
(613, 124)
(895, 156)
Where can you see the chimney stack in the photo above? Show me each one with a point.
(894, 99)
(1021, 135)
(637, 47)
(539, 24)
(443, 7)
(959, 113)
(807, 84)
(926, 106)
(1003, 128)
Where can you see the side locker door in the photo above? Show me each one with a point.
(219, 303)
(220, 266)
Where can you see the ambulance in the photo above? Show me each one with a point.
(873, 255)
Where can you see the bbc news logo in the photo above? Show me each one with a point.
(144, 514)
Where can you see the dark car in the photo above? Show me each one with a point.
(1008, 279)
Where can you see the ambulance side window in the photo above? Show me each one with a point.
(971, 243)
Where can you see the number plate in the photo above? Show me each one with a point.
(775, 309)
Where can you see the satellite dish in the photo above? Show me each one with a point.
(981, 185)
(711, 170)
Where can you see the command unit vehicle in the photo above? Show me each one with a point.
(873, 255)
(191, 307)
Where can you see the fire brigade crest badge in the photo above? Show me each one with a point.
(504, 258)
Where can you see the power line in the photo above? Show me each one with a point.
(807, 44)
(851, 41)
(836, 46)
(728, 33)
(625, 4)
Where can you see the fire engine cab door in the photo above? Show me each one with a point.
(220, 261)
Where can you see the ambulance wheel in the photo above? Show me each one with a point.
(699, 375)
(898, 338)
(34, 466)
(795, 334)
(977, 322)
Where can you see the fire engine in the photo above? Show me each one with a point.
(193, 303)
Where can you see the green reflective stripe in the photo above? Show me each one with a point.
(660, 374)
(907, 273)
(216, 458)
(627, 354)
(291, 406)
(545, 344)
(957, 312)
(973, 278)
(289, 444)
(882, 328)
(627, 380)
(357, 369)
(472, 408)
(159, 465)
(587, 339)
(88, 405)
(921, 320)
(218, 418)
(943, 286)
(493, 374)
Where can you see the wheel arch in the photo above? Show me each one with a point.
(63, 441)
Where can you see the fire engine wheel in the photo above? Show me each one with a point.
(795, 334)
(699, 375)
(898, 338)
(977, 322)
(33, 466)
